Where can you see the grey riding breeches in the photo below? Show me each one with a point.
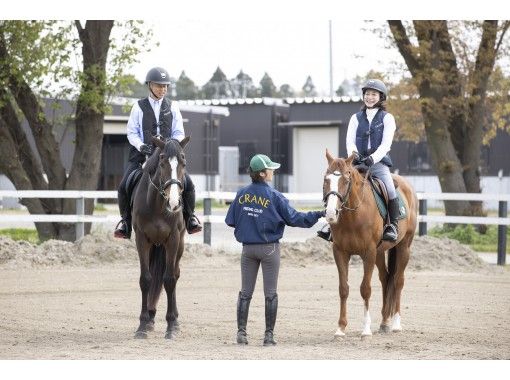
(253, 255)
(382, 172)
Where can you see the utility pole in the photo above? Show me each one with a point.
(330, 61)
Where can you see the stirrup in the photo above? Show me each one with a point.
(390, 232)
(122, 232)
(325, 233)
(193, 228)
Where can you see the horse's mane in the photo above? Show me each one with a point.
(152, 162)
(172, 148)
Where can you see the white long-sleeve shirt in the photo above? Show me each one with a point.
(134, 125)
(387, 139)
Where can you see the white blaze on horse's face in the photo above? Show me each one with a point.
(173, 198)
(332, 201)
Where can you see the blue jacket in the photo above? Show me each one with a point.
(259, 214)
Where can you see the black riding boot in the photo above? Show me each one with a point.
(123, 228)
(243, 306)
(325, 233)
(391, 230)
(188, 196)
(271, 309)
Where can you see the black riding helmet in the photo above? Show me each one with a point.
(377, 85)
(157, 75)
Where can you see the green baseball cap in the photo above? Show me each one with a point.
(261, 161)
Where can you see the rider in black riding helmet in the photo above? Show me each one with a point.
(150, 116)
(369, 137)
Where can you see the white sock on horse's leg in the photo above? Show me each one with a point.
(366, 324)
(396, 326)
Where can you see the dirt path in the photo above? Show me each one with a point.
(91, 313)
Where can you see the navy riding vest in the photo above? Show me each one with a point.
(150, 125)
(374, 131)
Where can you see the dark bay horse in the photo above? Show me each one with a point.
(159, 227)
(356, 228)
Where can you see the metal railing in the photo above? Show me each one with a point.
(423, 218)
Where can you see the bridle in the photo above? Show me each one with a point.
(162, 187)
(345, 197)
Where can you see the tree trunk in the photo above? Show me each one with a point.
(24, 170)
(84, 174)
(453, 123)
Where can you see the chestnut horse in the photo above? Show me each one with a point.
(159, 227)
(357, 229)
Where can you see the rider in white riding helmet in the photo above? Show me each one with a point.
(369, 138)
(150, 116)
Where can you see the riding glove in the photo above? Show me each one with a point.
(357, 159)
(145, 149)
(368, 161)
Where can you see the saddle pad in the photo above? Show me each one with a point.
(381, 205)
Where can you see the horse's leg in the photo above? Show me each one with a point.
(403, 254)
(380, 261)
(143, 247)
(366, 289)
(342, 264)
(170, 281)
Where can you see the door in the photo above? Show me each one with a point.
(309, 155)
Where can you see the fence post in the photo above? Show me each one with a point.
(422, 226)
(502, 213)
(207, 223)
(80, 210)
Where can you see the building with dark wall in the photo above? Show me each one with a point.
(201, 123)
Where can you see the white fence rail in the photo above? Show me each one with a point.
(80, 218)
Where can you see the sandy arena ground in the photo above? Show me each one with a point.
(82, 301)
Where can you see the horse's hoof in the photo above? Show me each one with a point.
(141, 335)
(397, 329)
(366, 336)
(339, 334)
(384, 329)
(170, 334)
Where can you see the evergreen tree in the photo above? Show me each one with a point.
(242, 86)
(268, 89)
(286, 91)
(309, 88)
(185, 87)
(217, 87)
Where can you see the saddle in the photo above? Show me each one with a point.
(381, 195)
(132, 181)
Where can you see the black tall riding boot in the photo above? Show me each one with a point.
(271, 309)
(188, 196)
(243, 306)
(123, 228)
(391, 230)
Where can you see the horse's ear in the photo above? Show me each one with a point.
(329, 157)
(160, 144)
(185, 141)
(349, 159)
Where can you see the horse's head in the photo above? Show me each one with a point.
(337, 186)
(172, 164)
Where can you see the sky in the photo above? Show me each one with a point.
(287, 39)
(288, 52)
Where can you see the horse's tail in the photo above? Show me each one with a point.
(390, 305)
(157, 266)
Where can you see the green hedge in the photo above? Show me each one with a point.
(467, 234)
